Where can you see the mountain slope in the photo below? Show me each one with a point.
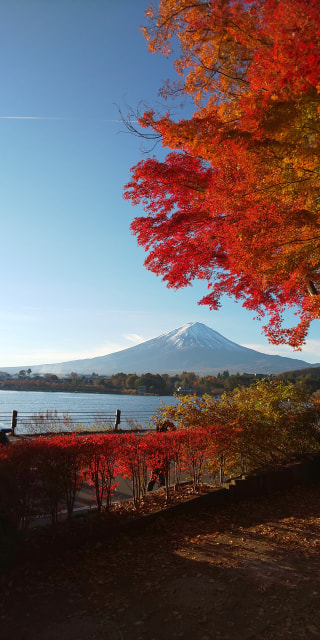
(192, 347)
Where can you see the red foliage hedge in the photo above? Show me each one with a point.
(44, 475)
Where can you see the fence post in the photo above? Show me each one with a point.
(14, 421)
(117, 419)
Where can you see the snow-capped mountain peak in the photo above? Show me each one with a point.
(192, 347)
(196, 334)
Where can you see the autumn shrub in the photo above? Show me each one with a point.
(162, 454)
(101, 459)
(49, 464)
(57, 463)
(133, 463)
(71, 458)
(209, 414)
(278, 422)
(269, 423)
(11, 511)
(19, 485)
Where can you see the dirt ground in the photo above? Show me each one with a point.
(245, 571)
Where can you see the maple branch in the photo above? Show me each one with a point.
(128, 123)
(174, 14)
(193, 187)
(311, 288)
(213, 70)
(278, 184)
(297, 241)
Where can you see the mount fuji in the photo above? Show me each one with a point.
(192, 347)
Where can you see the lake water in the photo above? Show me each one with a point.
(82, 408)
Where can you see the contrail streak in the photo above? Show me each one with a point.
(31, 118)
(56, 118)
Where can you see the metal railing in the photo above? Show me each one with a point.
(29, 423)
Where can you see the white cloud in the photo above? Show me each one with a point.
(311, 350)
(28, 357)
(31, 118)
(309, 353)
(36, 357)
(59, 118)
(134, 337)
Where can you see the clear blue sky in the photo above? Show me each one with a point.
(73, 284)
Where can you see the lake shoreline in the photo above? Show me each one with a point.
(29, 389)
(85, 408)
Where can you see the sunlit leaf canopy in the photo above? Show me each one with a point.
(236, 201)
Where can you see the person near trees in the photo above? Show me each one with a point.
(158, 473)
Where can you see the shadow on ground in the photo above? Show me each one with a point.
(246, 571)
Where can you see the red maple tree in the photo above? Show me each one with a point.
(236, 201)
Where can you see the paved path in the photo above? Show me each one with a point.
(86, 499)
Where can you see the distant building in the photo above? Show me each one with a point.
(184, 392)
(142, 389)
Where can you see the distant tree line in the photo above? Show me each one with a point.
(157, 384)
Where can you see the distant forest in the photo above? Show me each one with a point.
(154, 384)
